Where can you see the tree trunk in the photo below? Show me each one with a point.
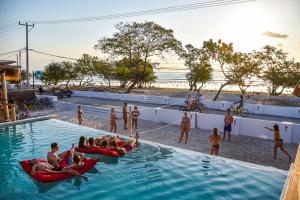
(219, 91)
(131, 87)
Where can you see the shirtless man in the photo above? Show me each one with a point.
(185, 127)
(80, 115)
(52, 156)
(125, 114)
(215, 138)
(113, 124)
(44, 167)
(228, 120)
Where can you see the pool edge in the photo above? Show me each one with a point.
(22, 121)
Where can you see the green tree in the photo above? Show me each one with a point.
(69, 72)
(244, 70)
(278, 71)
(138, 42)
(84, 69)
(222, 54)
(53, 74)
(198, 64)
(104, 70)
(123, 72)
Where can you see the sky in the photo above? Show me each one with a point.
(249, 26)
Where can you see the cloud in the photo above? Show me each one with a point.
(274, 35)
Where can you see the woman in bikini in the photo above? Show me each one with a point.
(278, 142)
(80, 115)
(215, 138)
(113, 124)
(185, 127)
(134, 117)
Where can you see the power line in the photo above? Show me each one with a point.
(52, 55)
(171, 9)
(9, 25)
(10, 29)
(11, 52)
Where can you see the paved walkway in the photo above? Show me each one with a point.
(248, 149)
(118, 103)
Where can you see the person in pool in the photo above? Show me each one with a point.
(52, 156)
(44, 167)
(215, 138)
(83, 142)
(129, 146)
(278, 142)
(113, 124)
(91, 142)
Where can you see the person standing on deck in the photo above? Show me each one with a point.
(134, 117)
(278, 142)
(80, 115)
(125, 115)
(113, 124)
(228, 120)
(215, 138)
(185, 127)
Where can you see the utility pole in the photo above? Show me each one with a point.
(27, 56)
(20, 64)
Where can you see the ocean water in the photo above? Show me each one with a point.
(149, 172)
(171, 79)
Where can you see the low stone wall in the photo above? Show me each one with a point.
(282, 111)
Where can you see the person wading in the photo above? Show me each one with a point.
(185, 127)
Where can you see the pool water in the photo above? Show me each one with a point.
(150, 172)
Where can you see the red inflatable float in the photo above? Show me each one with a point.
(103, 151)
(44, 177)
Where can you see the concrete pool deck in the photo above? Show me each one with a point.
(244, 148)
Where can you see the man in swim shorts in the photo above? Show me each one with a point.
(228, 120)
(52, 156)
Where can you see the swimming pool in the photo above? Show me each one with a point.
(150, 172)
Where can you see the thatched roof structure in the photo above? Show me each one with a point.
(12, 72)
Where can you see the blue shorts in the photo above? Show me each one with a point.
(227, 128)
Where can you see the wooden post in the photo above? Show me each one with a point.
(13, 112)
(4, 97)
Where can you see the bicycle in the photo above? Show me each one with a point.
(243, 112)
(197, 107)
